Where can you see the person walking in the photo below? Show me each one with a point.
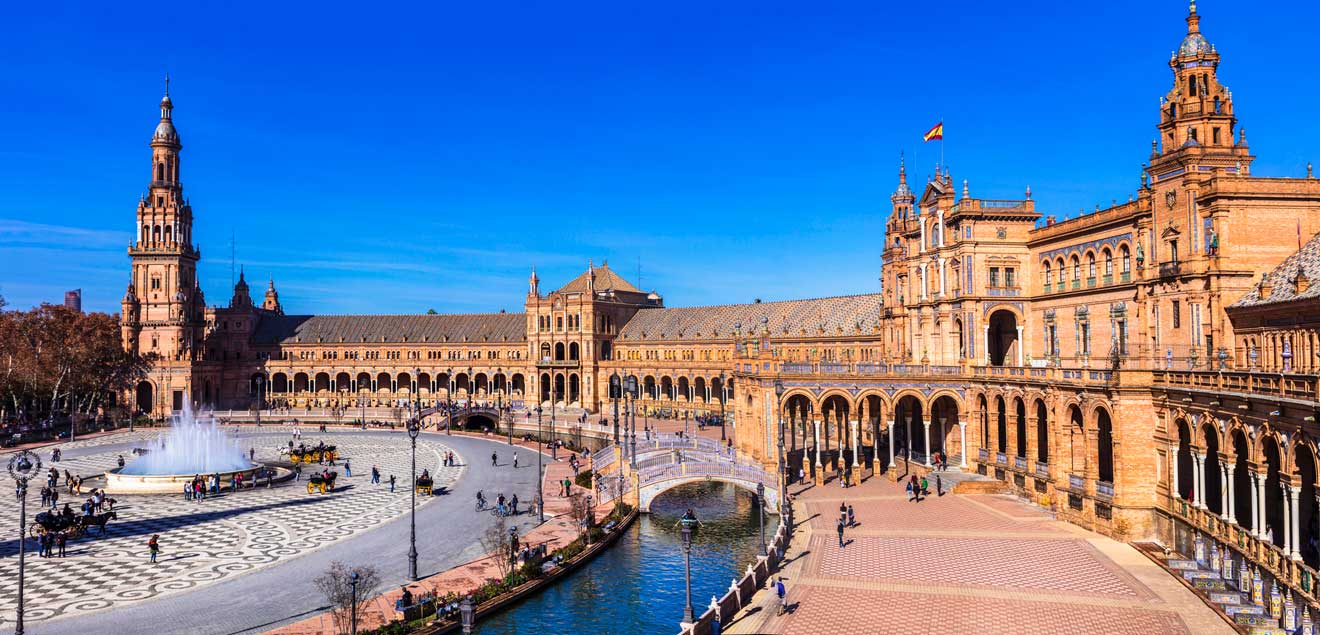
(925, 487)
(839, 527)
(909, 491)
(493, 457)
(61, 540)
(843, 512)
(852, 520)
(916, 488)
(348, 467)
(375, 475)
(783, 595)
(939, 486)
(515, 460)
(153, 546)
(391, 483)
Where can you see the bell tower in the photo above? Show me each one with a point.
(164, 308)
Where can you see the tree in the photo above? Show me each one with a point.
(495, 540)
(336, 584)
(431, 312)
(580, 511)
(57, 362)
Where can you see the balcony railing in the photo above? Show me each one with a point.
(983, 454)
(1020, 463)
(558, 363)
(1104, 489)
(1001, 458)
(1076, 482)
(1126, 276)
(1170, 269)
(1042, 470)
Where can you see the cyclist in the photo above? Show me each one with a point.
(481, 501)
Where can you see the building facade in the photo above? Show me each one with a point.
(1142, 369)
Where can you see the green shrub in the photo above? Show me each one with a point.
(584, 479)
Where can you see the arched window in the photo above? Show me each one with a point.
(160, 172)
(1090, 268)
(1063, 271)
(1109, 263)
(1126, 261)
(1077, 269)
(1045, 275)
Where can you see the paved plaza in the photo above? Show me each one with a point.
(964, 564)
(232, 539)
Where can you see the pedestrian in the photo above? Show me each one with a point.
(41, 545)
(843, 512)
(916, 487)
(153, 546)
(375, 475)
(252, 454)
(45, 496)
(843, 480)
(783, 595)
(61, 540)
(391, 483)
(839, 528)
(54, 498)
(925, 487)
(939, 485)
(515, 460)
(348, 468)
(852, 520)
(802, 475)
(187, 491)
(909, 491)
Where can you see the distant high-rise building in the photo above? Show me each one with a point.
(73, 300)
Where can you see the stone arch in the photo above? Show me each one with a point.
(1104, 427)
(944, 418)
(667, 387)
(684, 387)
(145, 397)
(481, 384)
(363, 382)
(1242, 486)
(1076, 440)
(1001, 424)
(403, 383)
(560, 388)
(1273, 457)
(279, 382)
(1042, 431)
(573, 351)
(1002, 346)
(300, 381)
(909, 419)
(1184, 476)
(1304, 460)
(1020, 425)
(518, 384)
(699, 389)
(574, 388)
(546, 384)
(650, 389)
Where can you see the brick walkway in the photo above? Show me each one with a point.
(964, 564)
(558, 530)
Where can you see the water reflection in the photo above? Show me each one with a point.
(637, 585)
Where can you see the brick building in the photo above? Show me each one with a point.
(1130, 368)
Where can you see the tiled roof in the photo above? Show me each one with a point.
(817, 316)
(489, 327)
(605, 279)
(1283, 278)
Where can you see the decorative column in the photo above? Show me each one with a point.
(1176, 480)
(1020, 345)
(942, 267)
(1198, 491)
(962, 434)
(856, 448)
(1294, 493)
(907, 438)
(1223, 489)
(986, 343)
(890, 424)
(922, 267)
(1255, 505)
(926, 425)
(1232, 497)
(1286, 491)
(806, 453)
(820, 473)
(1260, 506)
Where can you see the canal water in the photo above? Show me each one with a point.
(636, 586)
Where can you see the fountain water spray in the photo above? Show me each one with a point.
(194, 444)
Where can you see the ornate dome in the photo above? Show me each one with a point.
(1194, 44)
(165, 132)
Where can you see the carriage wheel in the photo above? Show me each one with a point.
(309, 487)
(36, 530)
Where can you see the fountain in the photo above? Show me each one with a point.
(193, 445)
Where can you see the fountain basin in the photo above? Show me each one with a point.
(117, 483)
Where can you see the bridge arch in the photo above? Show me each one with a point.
(650, 491)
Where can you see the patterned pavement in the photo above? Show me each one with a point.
(202, 542)
(964, 564)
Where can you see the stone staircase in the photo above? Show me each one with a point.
(1238, 592)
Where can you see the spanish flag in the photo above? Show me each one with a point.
(934, 133)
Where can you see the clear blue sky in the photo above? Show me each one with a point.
(380, 158)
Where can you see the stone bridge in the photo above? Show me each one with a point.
(667, 462)
(439, 417)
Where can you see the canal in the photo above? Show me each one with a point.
(636, 586)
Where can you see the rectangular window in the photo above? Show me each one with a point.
(1177, 314)
(1214, 134)
(1010, 277)
(994, 277)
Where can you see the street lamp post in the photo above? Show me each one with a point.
(22, 467)
(615, 389)
(632, 416)
(784, 509)
(353, 580)
(413, 431)
(540, 495)
(687, 522)
(261, 382)
(760, 505)
(554, 447)
(722, 380)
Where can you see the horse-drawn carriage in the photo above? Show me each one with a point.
(69, 525)
(321, 482)
(424, 485)
(317, 454)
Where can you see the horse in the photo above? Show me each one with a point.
(99, 521)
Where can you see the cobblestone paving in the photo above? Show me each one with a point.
(964, 564)
(203, 541)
